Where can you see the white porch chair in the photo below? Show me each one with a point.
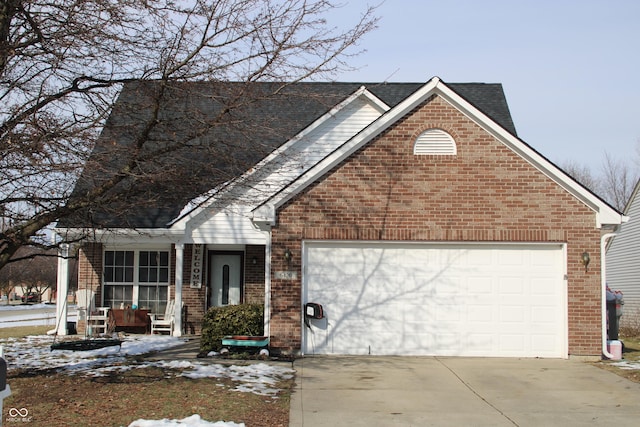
(163, 322)
(96, 318)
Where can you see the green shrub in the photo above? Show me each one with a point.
(244, 319)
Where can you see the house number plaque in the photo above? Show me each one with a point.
(286, 275)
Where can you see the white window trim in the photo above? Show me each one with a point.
(136, 265)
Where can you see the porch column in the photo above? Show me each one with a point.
(177, 330)
(63, 290)
(267, 286)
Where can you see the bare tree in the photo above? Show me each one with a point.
(35, 273)
(614, 183)
(584, 176)
(63, 64)
(618, 181)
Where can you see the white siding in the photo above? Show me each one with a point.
(227, 229)
(623, 263)
(311, 148)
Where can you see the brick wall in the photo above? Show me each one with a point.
(90, 269)
(90, 274)
(254, 274)
(484, 193)
(193, 299)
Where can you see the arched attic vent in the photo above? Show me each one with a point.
(435, 142)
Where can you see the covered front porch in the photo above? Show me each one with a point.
(131, 280)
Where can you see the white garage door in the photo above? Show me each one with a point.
(449, 300)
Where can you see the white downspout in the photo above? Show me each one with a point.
(603, 303)
(267, 286)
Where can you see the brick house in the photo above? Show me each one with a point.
(412, 213)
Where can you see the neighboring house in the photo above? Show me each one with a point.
(623, 262)
(411, 212)
(17, 292)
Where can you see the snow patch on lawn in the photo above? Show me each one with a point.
(258, 378)
(629, 365)
(34, 352)
(192, 421)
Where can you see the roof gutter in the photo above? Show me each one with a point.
(603, 302)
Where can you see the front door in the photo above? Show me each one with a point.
(226, 279)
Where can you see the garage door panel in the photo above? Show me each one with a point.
(512, 344)
(512, 285)
(480, 286)
(548, 342)
(542, 314)
(510, 259)
(544, 287)
(480, 313)
(437, 299)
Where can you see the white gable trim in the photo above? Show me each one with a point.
(201, 203)
(605, 214)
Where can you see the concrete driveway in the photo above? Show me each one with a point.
(429, 391)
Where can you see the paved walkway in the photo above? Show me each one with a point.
(189, 351)
(426, 391)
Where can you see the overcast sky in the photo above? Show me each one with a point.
(569, 68)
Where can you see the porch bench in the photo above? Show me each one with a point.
(130, 320)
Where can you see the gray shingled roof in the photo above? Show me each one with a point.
(230, 127)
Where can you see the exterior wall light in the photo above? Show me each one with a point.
(585, 259)
(254, 260)
(287, 255)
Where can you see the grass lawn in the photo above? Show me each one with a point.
(23, 331)
(56, 399)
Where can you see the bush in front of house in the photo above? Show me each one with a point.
(244, 319)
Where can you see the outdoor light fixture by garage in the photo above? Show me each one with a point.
(586, 259)
(287, 255)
